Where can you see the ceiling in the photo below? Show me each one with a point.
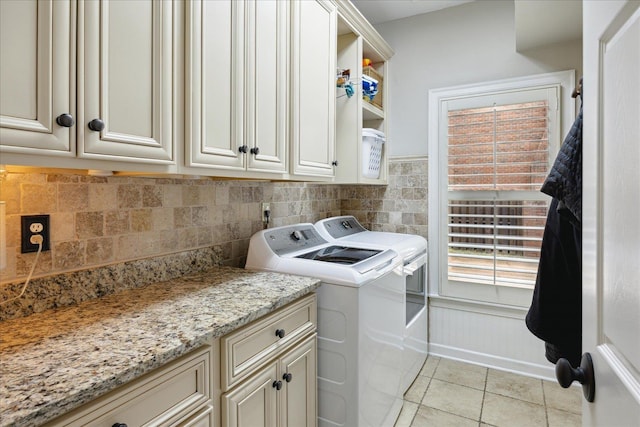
(537, 22)
(377, 11)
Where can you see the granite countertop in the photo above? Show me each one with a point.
(57, 360)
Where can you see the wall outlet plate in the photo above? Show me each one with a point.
(33, 225)
(265, 207)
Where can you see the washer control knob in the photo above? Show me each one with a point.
(296, 235)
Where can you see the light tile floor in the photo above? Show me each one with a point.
(451, 393)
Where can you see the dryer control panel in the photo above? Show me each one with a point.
(284, 240)
(342, 226)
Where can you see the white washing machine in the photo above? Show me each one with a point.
(413, 249)
(360, 321)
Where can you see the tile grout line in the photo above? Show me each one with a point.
(425, 390)
(484, 394)
(544, 400)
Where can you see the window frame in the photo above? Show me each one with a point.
(563, 82)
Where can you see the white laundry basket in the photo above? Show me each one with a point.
(372, 145)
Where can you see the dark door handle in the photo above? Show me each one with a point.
(287, 377)
(255, 150)
(583, 374)
(242, 149)
(280, 333)
(277, 385)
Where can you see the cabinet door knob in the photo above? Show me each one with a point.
(287, 377)
(65, 120)
(334, 163)
(277, 385)
(280, 333)
(96, 125)
(243, 148)
(255, 150)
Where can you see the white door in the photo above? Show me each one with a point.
(611, 210)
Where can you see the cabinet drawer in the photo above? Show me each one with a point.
(246, 349)
(165, 397)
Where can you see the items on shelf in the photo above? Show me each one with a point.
(375, 96)
(369, 87)
(343, 80)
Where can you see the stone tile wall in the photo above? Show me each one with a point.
(399, 207)
(105, 220)
(97, 221)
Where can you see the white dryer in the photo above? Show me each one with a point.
(360, 320)
(413, 249)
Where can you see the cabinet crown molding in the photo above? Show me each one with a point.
(360, 24)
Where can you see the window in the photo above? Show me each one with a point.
(493, 148)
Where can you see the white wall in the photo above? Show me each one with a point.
(471, 43)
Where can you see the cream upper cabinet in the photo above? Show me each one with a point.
(125, 91)
(236, 80)
(313, 88)
(267, 53)
(36, 80)
(214, 84)
(87, 84)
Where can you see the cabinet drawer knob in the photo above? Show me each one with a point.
(287, 377)
(119, 425)
(255, 150)
(243, 148)
(96, 125)
(280, 333)
(65, 120)
(277, 385)
(334, 163)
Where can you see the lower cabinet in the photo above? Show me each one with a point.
(262, 374)
(268, 369)
(281, 394)
(177, 394)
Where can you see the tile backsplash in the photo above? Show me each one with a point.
(98, 221)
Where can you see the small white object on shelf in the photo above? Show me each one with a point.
(372, 145)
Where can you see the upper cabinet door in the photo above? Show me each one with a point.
(125, 80)
(313, 87)
(266, 70)
(214, 84)
(35, 82)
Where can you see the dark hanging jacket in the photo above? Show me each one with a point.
(555, 315)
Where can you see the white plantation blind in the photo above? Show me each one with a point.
(499, 147)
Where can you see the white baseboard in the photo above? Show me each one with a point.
(545, 372)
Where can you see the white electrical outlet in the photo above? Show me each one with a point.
(36, 227)
(266, 207)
